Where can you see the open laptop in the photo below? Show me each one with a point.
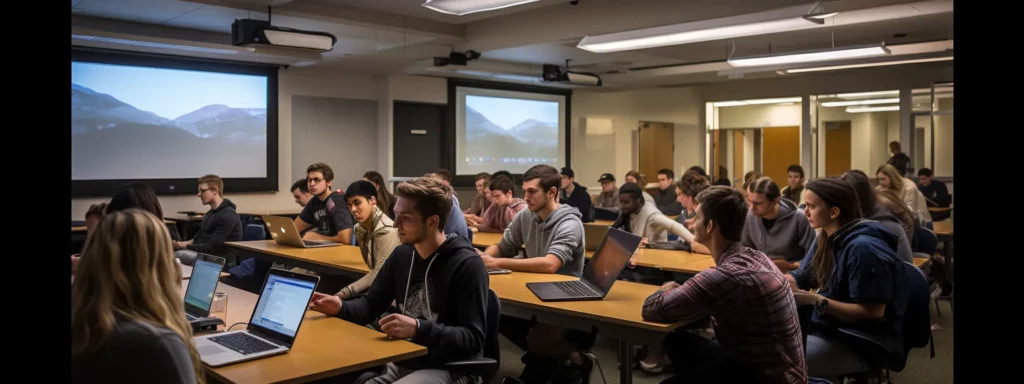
(273, 326)
(202, 285)
(598, 276)
(284, 232)
(605, 214)
(593, 235)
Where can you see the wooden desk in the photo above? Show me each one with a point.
(186, 273)
(82, 228)
(272, 212)
(940, 209)
(666, 260)
(486, 239)
(606, 223)
(943, 227)
(326, 259)
(919, 261)
(325, 346)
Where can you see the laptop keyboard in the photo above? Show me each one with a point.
(243, 343)
(315, 243)
(190, 317)
(575, 288)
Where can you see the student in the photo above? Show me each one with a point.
(456, 223)
(899, 160)
(553, 237)
(609, 196)
(92, 219)
(385, 200)
(856, 273)
(794, 191)
(873, 210)
(327, 213)
(775, 226)
(140, 195)
(575, 195)
(375, 234)
(504, 207)
(723, 177)
(686, 191)
(437, 283)
(747, 178)
(300, 191)
(753, 312)
(483, 195)
(888, 199)
(645, 220)
(635, 178)
(666, 197)
(935, 192)
(127, 322)
(220, 224)
(888, 178)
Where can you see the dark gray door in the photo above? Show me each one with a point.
(417, 138)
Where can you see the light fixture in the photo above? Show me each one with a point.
(728, 103)
(736, 103)
(751, 24)
(859, 102)
(867, 94)
(465, 7)
(819, 18)
(811, 56)
(872, 109)
(865, 65)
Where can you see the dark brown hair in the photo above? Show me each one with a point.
(430, 197)
(692, 183)
(136, 194)
(726, 207)
(835, 193)
(96, 210)
(766, 186)
(548, 175)
(639, 179)
(445, 174)
(213, 181)
(301, 185)
(502, 184)
(323, 169)
(384, 197)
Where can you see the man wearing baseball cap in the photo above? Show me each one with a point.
(609, 196)
(575, 195)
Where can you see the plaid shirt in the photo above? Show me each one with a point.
(752, 309)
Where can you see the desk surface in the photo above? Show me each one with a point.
(666, 260)
(186, 273)
(344, 257)
(81, 228)
(486, 239)
(325, 346)
(272, 212)
(943, 227)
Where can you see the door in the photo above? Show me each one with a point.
(738, 149)
(417, 135)
(780, 148)
(656, 146)
(837, 148)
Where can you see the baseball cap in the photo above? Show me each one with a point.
(606, 177)
(568, 172)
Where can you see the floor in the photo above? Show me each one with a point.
(920, 368)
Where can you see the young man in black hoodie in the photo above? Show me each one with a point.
(575, 195)
(438, 283)
(220, 224)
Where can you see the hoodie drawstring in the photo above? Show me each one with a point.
(426, 291)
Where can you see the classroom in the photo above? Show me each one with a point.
(512, 191)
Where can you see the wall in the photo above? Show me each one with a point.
(291, 82)
(406, 88)
(756, 116)
(680, 106)
(944, 140)
(335, 131)
(870, 134)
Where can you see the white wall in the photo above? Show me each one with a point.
(944, 140)
(680, 106)
(756, 116)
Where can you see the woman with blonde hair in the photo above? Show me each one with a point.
(895, 204)
(127, 314)
(889, 178)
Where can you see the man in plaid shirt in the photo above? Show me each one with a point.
(747, 297)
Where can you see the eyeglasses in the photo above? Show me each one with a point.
(315, 180)
(204, 190)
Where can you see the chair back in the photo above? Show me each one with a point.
(253, 232)
(924, 241)
(492, 348)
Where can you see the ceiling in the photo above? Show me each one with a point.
(401, 36)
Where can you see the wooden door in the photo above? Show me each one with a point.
(837, 148)
(656, 146)
(736, 173)
(780, 149)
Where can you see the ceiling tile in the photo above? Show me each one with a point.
(213, 18)
(123, 11)
(164, 5)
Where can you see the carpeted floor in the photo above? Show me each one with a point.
(920, 368)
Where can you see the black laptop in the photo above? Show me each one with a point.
(202, 285)
(598, 276)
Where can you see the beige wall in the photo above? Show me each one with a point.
(756, 116)
(870, 133)
(944, 139)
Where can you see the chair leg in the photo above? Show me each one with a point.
(937, 310)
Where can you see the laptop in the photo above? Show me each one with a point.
(598, 276)
(605, 214)
(201, 286)
(275, 322)
(284, 232)
(593, 235)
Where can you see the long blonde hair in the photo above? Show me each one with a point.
(127, 272)
(895, 180)
(900, 209)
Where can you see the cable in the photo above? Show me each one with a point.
(599, 370)
(233, 325)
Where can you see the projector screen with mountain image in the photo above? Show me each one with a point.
(512, 132)
(145, 123)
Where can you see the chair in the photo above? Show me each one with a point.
(925, 241)
(470, 238)
(485, 366)
(253, 232)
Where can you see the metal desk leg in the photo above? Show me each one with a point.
(625, 362)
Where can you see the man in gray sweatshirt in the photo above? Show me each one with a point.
(552, 235)
(775, 226)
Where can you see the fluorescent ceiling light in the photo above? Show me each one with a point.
(783, 100)
(751, 24)
(873, 109)
(465, 7)
(876, 64)
(867, 94)
(811, 56)
(859, 102)
(729, 103)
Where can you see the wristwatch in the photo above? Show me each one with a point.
(822, 305)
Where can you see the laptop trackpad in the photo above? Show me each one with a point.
(210, 350)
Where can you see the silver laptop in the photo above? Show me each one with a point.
(273, 326)
(593, 235)
(284, 232)
(202, 285)
(598, 276)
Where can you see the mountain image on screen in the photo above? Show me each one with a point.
(112, 139)
(530, 138)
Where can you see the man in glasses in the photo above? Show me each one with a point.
(327, 214)
(220, 224)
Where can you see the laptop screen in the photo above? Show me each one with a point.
(606, 265)
(282, 304)
(202, 284)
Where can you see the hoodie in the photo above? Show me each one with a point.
(866, 270)
(560, 235)
(456, 223)
(445, 292)
(219, 226)
(496, 218)
(789, 238)
(375, 246)
(581, 200)
(894, 225)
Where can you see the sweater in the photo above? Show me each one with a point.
(136, 352)
(560, 235)
(375, 246)
(219, 225)
(789, 238)
(496, 218)
(649, 222)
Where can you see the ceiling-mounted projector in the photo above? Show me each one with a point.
(555, 73)
(250, 32)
